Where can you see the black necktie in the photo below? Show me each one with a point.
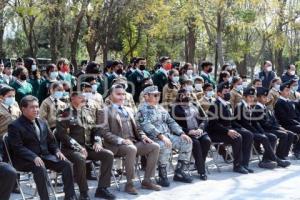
(9, 109)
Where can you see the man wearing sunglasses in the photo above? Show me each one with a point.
(158, 125)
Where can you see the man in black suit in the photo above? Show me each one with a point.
(269, 123)
(244, 114)
(223, 128)
(286, 114)
(34, 149)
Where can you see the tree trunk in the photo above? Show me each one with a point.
(2, 25)
(191, 40)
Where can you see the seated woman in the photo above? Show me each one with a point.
(193, 120)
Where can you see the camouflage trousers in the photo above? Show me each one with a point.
(182, 146)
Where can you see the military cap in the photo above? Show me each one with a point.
(151, 90)
(249, 91)
(222, 86)
(262, 91)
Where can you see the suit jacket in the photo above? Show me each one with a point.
(25, 144)
(221, 119)
(285, 113)
(266, 118)
(110, 125)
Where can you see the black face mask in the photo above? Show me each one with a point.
(227, 96)
(23, 77)
(186, 99)
(119, 71)
(142, 67)
(209, 70)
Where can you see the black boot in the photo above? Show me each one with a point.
(180, 174)
(84, 196)
(163, 176)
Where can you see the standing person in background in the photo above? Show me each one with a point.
(170, 90)
(207, 68)
(8, 70)
(63, 67)
(136, 78)
(34, 75)
(131, 67)
(236, 93)
(187, 70)
(289, 74)
(21, 85)
(51, 77)
(267, 74)
(160, 77)
(224, 76)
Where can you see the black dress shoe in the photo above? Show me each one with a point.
(283, 163)
(240, 170)
(248, 169)
(104, 193)
(203, 177)
(297, 156)
(84, 196)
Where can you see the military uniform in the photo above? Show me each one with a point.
(44, 90)
(22, 89)
(160, 79)
(206, 103)
(272, 98)
(49, 109)
(235, 97)
(137, 78)
(77, 129)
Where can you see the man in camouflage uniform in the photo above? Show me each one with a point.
(156, 122)
(81, 140)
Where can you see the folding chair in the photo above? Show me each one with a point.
(256, 153)
(214, 154)
(7, 149)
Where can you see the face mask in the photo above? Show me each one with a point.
(175, 79)
(94, 87)
(245, 84)
(119, 71)
(23, 77)
(239, 88)
(168, 66)
(58, 94)
(66, 95)
(209, 70)
(230, 79)
(87, 95)
(210, 94)
(269, 68)
(9, 101)
(142, 67)
(227, 96)
(198, 86)
(277, 87)
(292, 73)
(186, 99)
(65, 69)
(189, 88)
(53, 75)
(295, 88)
(33, 67)
(189, 72)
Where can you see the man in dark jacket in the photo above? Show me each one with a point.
(267, 74)
(34, 149)
(223, 128)
(286, 114)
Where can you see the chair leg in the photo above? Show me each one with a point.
(115, 179)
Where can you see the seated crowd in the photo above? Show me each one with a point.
(53, 118)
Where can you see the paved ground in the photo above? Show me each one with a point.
(263, 184)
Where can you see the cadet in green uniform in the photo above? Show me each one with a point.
(160, 77)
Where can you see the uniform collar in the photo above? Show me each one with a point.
(283, 98)
(261, 105)
(225, 103)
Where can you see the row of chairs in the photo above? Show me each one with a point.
(213, 154)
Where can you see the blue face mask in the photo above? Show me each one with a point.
(33, 67)
(210, 94)
(295, 88)
(9, 101)
(58, 94)
(239, 88)
(94, 87)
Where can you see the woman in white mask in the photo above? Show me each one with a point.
(198, 87)
(294, 94)
(95, 95)
(187, 70)
(224, 77)
(209, 96)
(273, 92)
(170, 90)
(53, 105)
(9, 109)
(236, 93)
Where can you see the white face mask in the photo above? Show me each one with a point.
(94, 87)
(210, 94)
(269, 68)
(87, 95)
(239, 88)
(53, 75)
(230, 79)
(189, 72)
(33, 67)
(175, 79)
(198, 87)
(277, 87)
(245, 84)
(189, 88)
(292, 73)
